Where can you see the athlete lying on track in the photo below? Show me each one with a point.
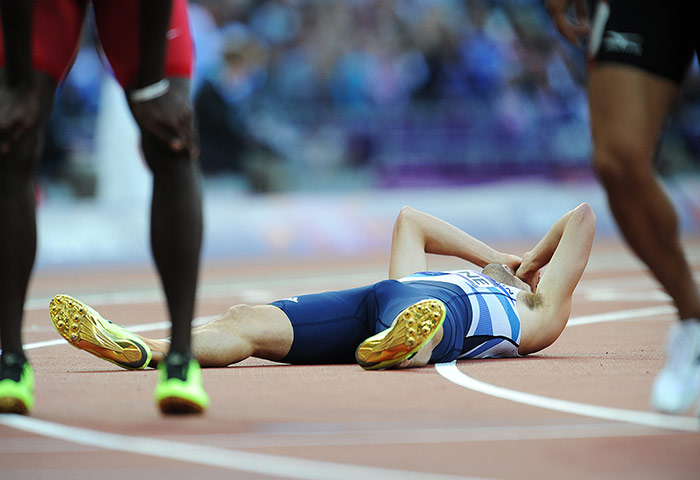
(407, 321)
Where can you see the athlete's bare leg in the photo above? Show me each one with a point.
(262, 331)
(628, 110)
(176, 227)
(17, 204)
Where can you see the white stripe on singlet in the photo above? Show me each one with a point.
(495, 319)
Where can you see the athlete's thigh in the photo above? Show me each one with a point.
(270, 331)
(119, 26)
(56, 31)
(328, 326)
(628, 108)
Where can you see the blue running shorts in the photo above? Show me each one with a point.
(329, 326)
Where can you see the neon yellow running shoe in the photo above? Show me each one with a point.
(17, 385)
(410, 331)
(179, 389)
(85, 329)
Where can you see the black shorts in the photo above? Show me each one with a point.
(657, 36)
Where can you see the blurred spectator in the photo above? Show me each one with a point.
(224, 107)
(224, 100)
(400, 89)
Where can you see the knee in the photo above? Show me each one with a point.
(161, 159)
(237, 320)
(167, 130)
(237, 314)
(623, 161)
(156, 121)
(19, 163)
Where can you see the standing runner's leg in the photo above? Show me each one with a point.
(176, 210)
(628, 109)
(176, 238)
(176, 228)
(51, 57)
(17, 252)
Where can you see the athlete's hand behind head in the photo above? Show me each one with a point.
(528, 273)
(512, 262)
(169, 119)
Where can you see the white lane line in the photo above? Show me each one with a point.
(400, 436)
(621, 315)
(650, 419)
(617, 296)
(255, 289)
(264, 464)
(360, 437)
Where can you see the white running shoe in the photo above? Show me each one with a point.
(677, 386)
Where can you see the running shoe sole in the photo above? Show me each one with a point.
(85, 329)
(412, 329)
(18, 397)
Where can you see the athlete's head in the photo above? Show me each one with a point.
(503, 274)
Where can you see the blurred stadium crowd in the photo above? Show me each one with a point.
(334, 94)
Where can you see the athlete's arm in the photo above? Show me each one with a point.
(571, 28)
(565, 249)
(18, 98)
(417, 233)
(17, 33)
(165, 111)
(154, 23)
